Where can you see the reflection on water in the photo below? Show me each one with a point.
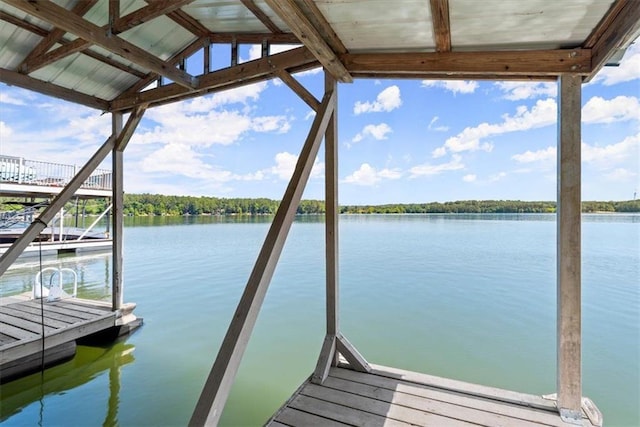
(38, 392)
(93, 270)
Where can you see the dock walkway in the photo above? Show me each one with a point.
(21, 328)
(393, 397)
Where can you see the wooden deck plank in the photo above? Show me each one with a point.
(16, 332)
(277, 424)
(73, 304)
(36, 311)
(61, 310)
(4, 339)
(294, 417)
(31, 343)
(439, 403)
(27, 325)
(475, 389)
(33, 317)
(540, 416)
(341, 413)
(404, 414)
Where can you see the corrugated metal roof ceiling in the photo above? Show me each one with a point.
(362, 26)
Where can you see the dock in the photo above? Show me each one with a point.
(23, 322)
(394, 397)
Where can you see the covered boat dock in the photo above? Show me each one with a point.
(125, 56)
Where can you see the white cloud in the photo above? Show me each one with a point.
(515, 91)
(387, 100)
(428, 169)
(286, 164)
(367, 175)
(180, 159)
(311, 114)
(279, 124)
(455, 86)
(620, 175)
(628, 70)
(543, 155)
(620, 108)
(609, 156)
(377, 132)
(5, 130)
(432, 125)
(469, 178)
(543, 113)
(8, 98)
(497, 177)
(605, 157)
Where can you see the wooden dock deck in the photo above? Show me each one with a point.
(393, 397)
(65, 321)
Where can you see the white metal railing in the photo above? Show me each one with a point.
(54, 291)
(22, 171)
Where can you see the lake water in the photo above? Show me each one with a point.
(471, 297)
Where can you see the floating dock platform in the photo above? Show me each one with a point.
(394, 397)
(24, 321)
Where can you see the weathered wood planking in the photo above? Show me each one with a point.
(389, 396)
(21, 327)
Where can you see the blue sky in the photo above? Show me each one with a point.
(400, 141)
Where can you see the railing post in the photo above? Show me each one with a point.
(568, 249)
(20, 165)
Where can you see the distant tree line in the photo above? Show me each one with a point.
(157, 205)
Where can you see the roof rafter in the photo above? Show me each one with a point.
(459, 64)
(116, 25)
(258, 13)
(53, 37)
(441, 25)
(16, 79)
(310, 36)
(64, 19)
(317, 19)
(259, 69)
(23, 24)
(614, 31)
(188, 22)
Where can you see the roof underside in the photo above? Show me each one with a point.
(108, 53)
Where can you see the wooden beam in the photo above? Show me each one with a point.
(255, 38)
(569, 381)
(355, 359)
(531, 63)
(147, 79)
(189, 23)
(154, 10)
(613, 32)
(16, 79)
(53, 37)
(114, 14)
(4, 16)
(317, 19)
(328, 354)
(441, 25)
(117, 201)
(218, 385)
(309, 36)
(64, 19)
(263, 67)
(300, 90)
(332, 216)
(81, 45)
(450, 76)
(258, 13)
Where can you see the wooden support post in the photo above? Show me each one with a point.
(218, 384)
(568, 249)
(328, 354)
(116, 218)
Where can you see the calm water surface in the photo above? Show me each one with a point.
(470, 297)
